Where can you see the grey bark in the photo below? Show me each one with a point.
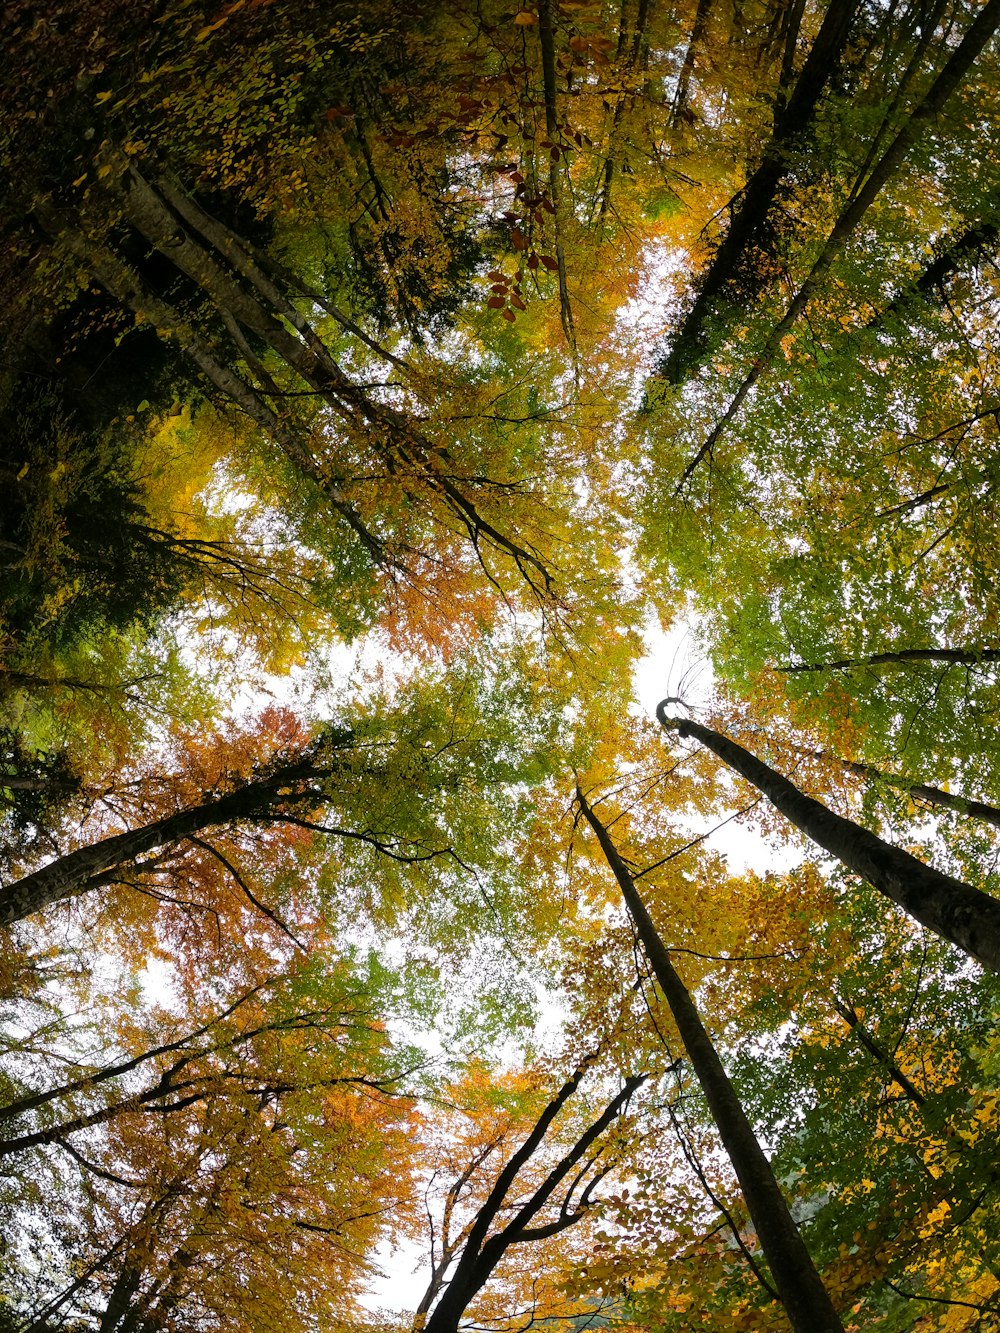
(956, 911)
(800, 1288)
(100, 862)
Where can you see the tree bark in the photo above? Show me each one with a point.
(759, 193)
(482, 1251)
(800, 1288)
(954, 656)
(956, 911)
(99, 862)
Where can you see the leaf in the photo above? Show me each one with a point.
(525, 18)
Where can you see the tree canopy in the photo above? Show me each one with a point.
(382, 382)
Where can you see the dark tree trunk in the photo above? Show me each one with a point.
(482, 1251)
(885, 1059)
(758, 196)
(951, 908)
(923, 791)
(980, 240)
(953, 656)
(958, 65)
(98, 863)
(799, 1286)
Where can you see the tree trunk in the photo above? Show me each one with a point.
(482, 1251)
(954, 656)
(923, 791)
(975, 240)
(799, 1286)
(958, 65)
(850, 1017)
(758, 194)
(951, 908)
(98, 863)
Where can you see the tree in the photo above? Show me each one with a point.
(503, 1196)
(957, 911)
(266, 1158)
(405, 365)
(272, 794)
(799, 1286)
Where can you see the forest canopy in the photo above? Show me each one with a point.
(380, 382)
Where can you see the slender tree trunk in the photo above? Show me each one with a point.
(679, 104)
(97, 863)
(975, 240)
(958, 65)
(546, 37)
(758, 194)
(866, 1039)
(799, 1286)
(482, 1251)
(951, 908)
(935, 796)
(954, 656)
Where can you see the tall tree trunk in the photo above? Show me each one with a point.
(758, 195)
(924, 791)
(99, 862)
(799, 1286)
(958, 65)
(951, 908)
(482, 1251)
(954, 656)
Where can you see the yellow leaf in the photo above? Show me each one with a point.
(102, 97)
(525, 19)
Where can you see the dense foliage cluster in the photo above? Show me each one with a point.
(379, 381)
